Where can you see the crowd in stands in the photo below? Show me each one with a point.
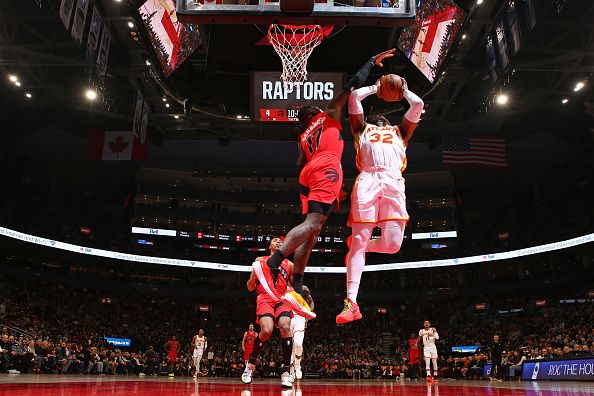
(50, 328)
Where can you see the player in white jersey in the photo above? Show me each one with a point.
(200, 344)
(378, 197)
(428, 335)
(298, 325)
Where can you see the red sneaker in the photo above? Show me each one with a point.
(428, 379)
(298, 304)
(264, 275)
(349, 313)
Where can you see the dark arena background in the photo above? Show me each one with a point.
(148, 153)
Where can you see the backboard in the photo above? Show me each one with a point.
(325, 12)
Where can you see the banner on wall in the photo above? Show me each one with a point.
(80, 18)
(94, 31)
(103, 55)
(66, 12)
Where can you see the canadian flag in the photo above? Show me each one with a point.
(117, 146)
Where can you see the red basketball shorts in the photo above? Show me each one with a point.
(247, 353)
(265, 306)
(320, 181)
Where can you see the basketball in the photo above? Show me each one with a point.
(391, 87)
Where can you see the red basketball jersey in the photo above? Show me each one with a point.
(322, 137)
(283, 281)
(249, 339)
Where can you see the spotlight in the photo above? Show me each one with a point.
(502, 99)
(148, 62)
(13, 78)
(164, 99)
(28, 95)
(17, 83)
(479, 2)
(167, 105)
(463, 36)
(565, 101)
(423, 111)
(131, 25)
(91, 94)
(578, 86)
(239, 117)
(176, 117)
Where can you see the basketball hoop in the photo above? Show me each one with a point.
(294, 45)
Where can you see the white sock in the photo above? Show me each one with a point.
(356, 258)
(391, 239)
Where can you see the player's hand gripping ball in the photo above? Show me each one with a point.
(391, 87)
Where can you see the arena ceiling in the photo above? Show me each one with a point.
(35, 45)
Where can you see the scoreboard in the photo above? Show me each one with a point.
(275, 101)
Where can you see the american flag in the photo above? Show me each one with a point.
(464, 150)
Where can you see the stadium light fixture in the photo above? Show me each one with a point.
(463, 36)
(479, 2)
(131, 25)
(565, 101)
(502, 99)
(28, 95)
(17, 83)
(91, 94)
(578, 86)
(13, 78)
(167, 105)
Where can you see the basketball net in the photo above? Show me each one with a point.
(294, 45)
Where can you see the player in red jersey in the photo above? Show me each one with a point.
(270, 311)
(172, 346)
(320, 180)
(247, 344)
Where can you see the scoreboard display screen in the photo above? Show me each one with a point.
(275, 101)
(427, 42)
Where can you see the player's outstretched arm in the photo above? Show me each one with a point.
(356, 113)
(334, 108)
(251, 283)
(413, 114)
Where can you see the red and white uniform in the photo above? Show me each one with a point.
(321, 177)
(248, 343)
(378, 194)
(199, 346)
(429, 348)
(265, 305)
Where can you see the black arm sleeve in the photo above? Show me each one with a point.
(361, 76)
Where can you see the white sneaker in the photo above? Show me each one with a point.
(246, 377)
(286, 380)
(141, 374)
(195, 375)
(298, 373)
(14, 371)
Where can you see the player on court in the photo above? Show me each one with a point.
(247, 344)
(428, 335)
(378, 197)
(298, 325)
(270, 312)
(320, 180)
(200, 344)
(172, 347)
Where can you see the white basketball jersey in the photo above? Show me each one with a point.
(381, 146)
(199, 343)
(428, 338)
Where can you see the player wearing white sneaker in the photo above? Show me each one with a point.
(298, 325)
(270, 311)
(378, 197)
(200, 344)
(428, 335)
